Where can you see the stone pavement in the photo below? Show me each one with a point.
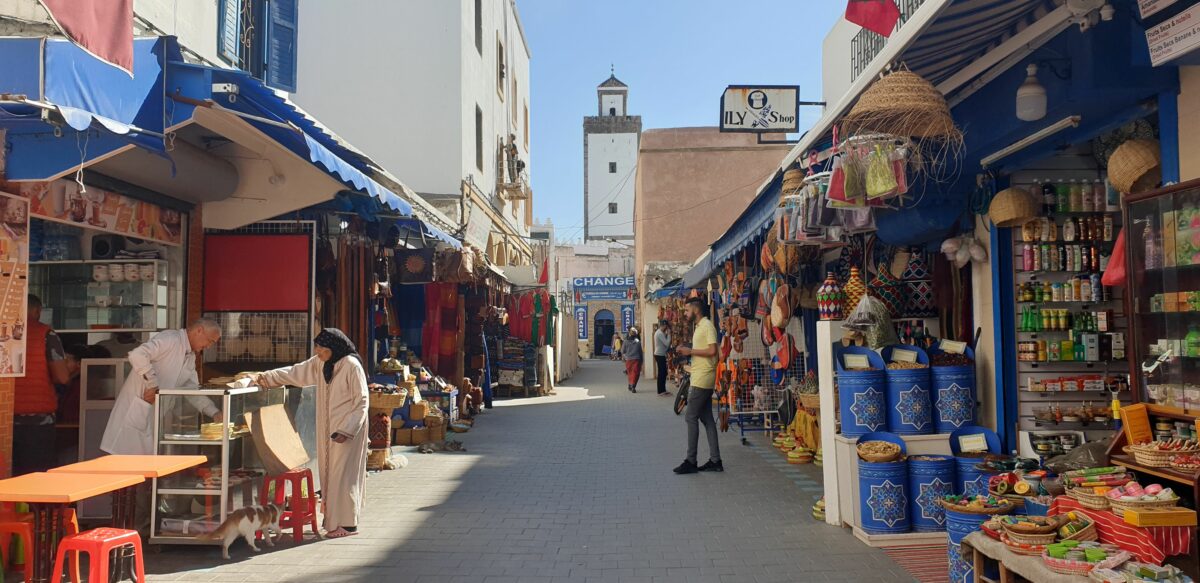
(576, 487)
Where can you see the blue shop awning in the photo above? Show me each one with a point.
(61, 107)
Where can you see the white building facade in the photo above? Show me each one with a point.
(610, 151)
(448, 81)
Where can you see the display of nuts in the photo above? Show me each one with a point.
(949, 359)
(906, 365)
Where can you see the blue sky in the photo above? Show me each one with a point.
(677, 56)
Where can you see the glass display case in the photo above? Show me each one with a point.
(1164, 290)
(130, 295)
(195, 502)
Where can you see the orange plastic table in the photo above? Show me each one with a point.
(47, 495)
(147, 466)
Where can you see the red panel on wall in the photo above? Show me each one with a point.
(257, 273)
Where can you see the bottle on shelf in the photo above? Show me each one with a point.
(1076, 190)
(1108, 228)
(1099, 195)
(1192, 341)
(1088, 198)
(1027, 257)
(1049, 196)
(1097, 293)
(1069, 230)
(1063, 200)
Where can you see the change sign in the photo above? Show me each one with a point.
(761, 108)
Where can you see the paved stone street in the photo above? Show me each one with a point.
(575, 487)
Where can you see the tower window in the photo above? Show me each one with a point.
(612, 111)
(612, 208)
(479, 138)
(612, 167)
(479, 26)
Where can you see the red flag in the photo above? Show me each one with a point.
(878, 16)
(545, 277)
(103, 28)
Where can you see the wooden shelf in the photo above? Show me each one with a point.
(1164, 473)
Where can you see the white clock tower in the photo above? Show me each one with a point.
(610, 152)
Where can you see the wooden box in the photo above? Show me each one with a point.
(1162, 517)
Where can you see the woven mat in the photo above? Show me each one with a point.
(926, 563)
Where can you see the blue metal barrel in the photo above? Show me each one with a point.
(930, 478)
(908, 401)
(953, 395)
(972, 481)
(862, 394)
(958, 526)
(883, 490)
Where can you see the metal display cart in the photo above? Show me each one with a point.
(195, 502)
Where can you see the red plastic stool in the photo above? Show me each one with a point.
(98, 543)
(300, 510)
(20, 525)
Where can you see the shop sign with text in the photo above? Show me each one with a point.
(91, 207)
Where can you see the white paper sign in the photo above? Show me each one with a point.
(1151, 7)
(902, 355)
(856, 361)
(1174, 37)
(954, 347)
(972, 443)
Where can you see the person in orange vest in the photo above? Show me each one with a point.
(35, 401)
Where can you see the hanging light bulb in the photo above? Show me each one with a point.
(1031, 97)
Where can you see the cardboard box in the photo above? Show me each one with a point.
(1161, 517)
(420, 435)
(1171, 302)
(1118, 345)
(402, 437)
(278, 443)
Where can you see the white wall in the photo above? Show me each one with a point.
(835, 61)
(385, 76)
(612, 101)
(605, 187)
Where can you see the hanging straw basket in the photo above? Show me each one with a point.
(903, 103)
(1135, 166)
(810, 400)
(793, 180)
(1013, 207)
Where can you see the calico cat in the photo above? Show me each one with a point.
(432, 446)
(246, 522)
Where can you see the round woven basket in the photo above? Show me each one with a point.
(903, 103)
(1154, 458)
(1119, 507)
(1135, 166)
(1088, 499)
(1030, 539)
(1013, 207)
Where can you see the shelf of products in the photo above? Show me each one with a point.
(129, 295)
(1164, 268)
(1072, 331)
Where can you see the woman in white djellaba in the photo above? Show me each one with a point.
(337, 371)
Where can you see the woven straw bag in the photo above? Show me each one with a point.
(1013, 207)
(1135, 166)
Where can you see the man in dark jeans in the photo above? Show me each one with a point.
(699, 404)
(662, 345)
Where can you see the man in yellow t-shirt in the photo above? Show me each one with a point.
(699, 400)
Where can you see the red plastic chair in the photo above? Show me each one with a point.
(98, 543)
(20, 525)
(301, 507)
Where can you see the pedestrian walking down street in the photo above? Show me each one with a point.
(337, 371)
(632, 352)
(616, 347)
(704, 380)
(662, 345)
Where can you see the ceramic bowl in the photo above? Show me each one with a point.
(116, 272)
(147, 272)
(132, 272)
(100, 273)
(103, 301)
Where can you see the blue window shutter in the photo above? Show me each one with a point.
(283, 19)
(229, 30)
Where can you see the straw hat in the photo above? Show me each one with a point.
(1135, 166)
(1013, 207)
(903, 103)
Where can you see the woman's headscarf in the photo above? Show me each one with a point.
(335, 340)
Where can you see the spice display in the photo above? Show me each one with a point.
(906, 365)
(878, 451)
(949, 359)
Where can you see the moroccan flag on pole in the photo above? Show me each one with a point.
(103, 28)
(878, 16)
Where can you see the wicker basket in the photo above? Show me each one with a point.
(1032, 550)
(1119, 507)
(1184, 467)
(1153, 457)
(387, 400)
(1029, 539)
(810, 400)
(1003, 509)
(1013, 207)
(902, 103)
(1135, 166)
(377, 459)
(1088, 499)
(1067, 566)
(879, 457)
(1085, 534)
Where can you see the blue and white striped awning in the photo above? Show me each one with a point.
(966, 30)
